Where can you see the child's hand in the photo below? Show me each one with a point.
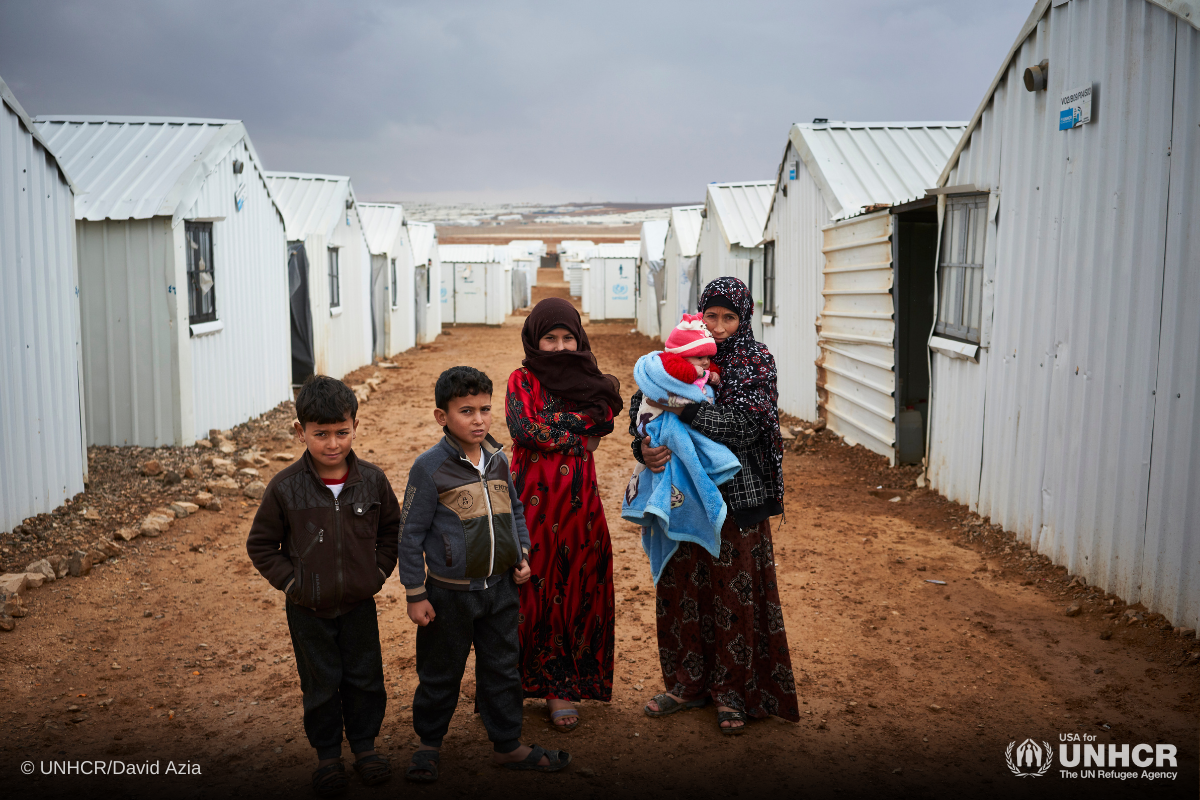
(421, 612)
(521, 572)
(714, 379)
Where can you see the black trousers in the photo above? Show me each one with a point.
(487, 619)
(341, 675)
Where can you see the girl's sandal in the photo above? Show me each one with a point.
(424, 766)
(330, 780)
(566, 727)
(669, 705)
(373, 770)
(732, 716)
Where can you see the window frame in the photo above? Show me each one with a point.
(197, 298)
(769, 280)
(333, 270)
(960, 273)
(395, 285)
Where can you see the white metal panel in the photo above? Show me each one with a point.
(386, 233)
(1084, 248)
(42, 451)
(649, 289)
(859, 164)
(381, 225)
(125, 272)
(311, 204)
(244, 369)
(423, 247)
(795, 226)
(1171, 563)
(446, 293)
(856, 380)
(685, 220)
(469, 253)
(471, 291)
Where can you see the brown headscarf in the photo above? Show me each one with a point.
(568, 374)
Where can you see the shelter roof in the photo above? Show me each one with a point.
(470, 254)
(422, 237)
(741, 209)
(311, 203)
(686, 221)
(10, 100)
(623, 250)
(654, 239)
(860, 164)
(382, 223)
(140, 167)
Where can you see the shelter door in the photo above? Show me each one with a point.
(470, 293)
(619, 302)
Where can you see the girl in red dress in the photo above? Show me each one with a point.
(558, 406)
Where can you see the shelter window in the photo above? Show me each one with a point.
(768, 279)
(395, 286)
(960, 262)
(202, 296)
(335, 283)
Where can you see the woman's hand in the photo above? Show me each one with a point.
(592, 443)
(656, 458)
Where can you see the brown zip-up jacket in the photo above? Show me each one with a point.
(326, 554)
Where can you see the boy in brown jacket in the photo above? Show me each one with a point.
(326, 535)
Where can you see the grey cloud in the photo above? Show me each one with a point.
(513, 100)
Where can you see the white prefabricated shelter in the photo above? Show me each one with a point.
(572, 258)
(649, 290)
(182, 276)
(527, 254)
(832, 171)
(393, 290)
(331, 265)
(473, 290)
(42, 448)
(427, 272)
(681, 251)
(731, 237)
(611, 282)
(1066, 364)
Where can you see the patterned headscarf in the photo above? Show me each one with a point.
(749, 381)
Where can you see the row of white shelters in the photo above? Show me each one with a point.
(572, 257)
(649, 293)
(731, 237)
(42, 448)
(393, 291)
(473, 291)
(182, 286)
(852, 304)
(321, 216)
(610, 282)
(1066, 365)
(427, 278)
(681, 251)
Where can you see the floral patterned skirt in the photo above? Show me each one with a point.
(720, 626)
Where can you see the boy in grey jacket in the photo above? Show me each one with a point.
(462, 553)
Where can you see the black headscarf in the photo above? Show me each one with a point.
(749, 381)
(569, 374)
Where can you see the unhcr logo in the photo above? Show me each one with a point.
(620, 289)
(1030, 759)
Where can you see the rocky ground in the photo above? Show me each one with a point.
(924, 640)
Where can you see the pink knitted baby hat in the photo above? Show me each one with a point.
(691, 337)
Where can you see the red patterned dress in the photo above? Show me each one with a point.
(567, 613)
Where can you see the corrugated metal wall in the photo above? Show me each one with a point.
(1091, 314)
(41, 438)
(126, 268)
(795, 226)
(342, 342)
(855, 371)
(244, 369)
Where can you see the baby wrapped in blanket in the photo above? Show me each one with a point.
(682, 503)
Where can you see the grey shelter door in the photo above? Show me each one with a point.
(379, 304)
(303, 362)
(421, 299)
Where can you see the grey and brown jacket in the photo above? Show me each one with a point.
(326, 554)
(462, 527)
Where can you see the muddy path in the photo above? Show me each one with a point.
(908, 687)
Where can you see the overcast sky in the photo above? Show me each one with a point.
(521, 101)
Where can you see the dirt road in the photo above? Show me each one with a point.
(908, 687)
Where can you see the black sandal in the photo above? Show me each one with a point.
(669, 705)
(423, 761)
(558, 760)
(732, 716)
(330, 780)
(373, 770)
